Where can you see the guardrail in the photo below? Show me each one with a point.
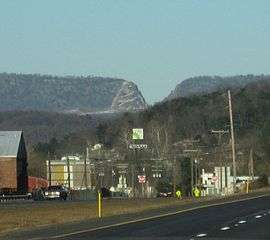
(6, 198)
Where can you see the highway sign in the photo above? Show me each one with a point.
(137, 133)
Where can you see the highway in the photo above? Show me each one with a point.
(235, 219)
(249, 219)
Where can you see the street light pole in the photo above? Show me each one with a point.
(50, 170)
(196, 172)
(192, 175)
(174, 176)
(68, 170)
(192, 166)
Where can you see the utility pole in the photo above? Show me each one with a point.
(191, 167)
(85, 169)
(134, 166)
(192, 151)
(192, 175)
(220, 133)
(89, 163)
(174, 176)
(133, 179)
(251, 164)
(49, 169)
(196, 172)
(113, 173)
(232, 140)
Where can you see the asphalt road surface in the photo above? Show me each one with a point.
(249, 219)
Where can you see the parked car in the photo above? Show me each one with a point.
(105, 192)
(56, 192)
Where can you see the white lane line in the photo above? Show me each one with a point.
(236, 225)
(225, 228)
(258, 216)
(242, 222)
(201, 235)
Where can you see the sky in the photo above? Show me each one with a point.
(154, 43)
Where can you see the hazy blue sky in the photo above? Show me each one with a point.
(155, 43)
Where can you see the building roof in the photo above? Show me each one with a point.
(9, 143)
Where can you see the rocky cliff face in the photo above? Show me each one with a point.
(207, 84)
(68, 94)
(128, 98)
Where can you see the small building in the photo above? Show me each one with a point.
(13, 163)
(224, 182)
(208, 183)
(70, 171)
(95, 169)
(218, 182)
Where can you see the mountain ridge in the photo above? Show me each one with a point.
(207, 84)
(66, 94)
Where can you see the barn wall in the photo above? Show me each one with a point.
(8, 173)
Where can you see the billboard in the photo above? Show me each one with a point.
(137, 133)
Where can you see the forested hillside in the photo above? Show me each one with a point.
(68, 94)
(41, 126)
(208, 84)
(189, 118)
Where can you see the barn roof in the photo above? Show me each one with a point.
(9, 143)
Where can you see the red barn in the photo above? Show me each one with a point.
(13, 163)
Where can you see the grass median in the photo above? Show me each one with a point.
(31, 215)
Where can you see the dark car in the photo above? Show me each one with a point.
(56, 192)
(105, 192)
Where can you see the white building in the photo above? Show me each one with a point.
(224, 182)
(218, 182)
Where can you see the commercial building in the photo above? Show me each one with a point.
(218, 182)
(70, 171)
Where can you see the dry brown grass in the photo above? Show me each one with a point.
(15, 216)
(53, 212)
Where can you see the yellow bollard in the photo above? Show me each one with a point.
(99, 204)
(247, 186)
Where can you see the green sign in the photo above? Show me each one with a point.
(137, 134)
